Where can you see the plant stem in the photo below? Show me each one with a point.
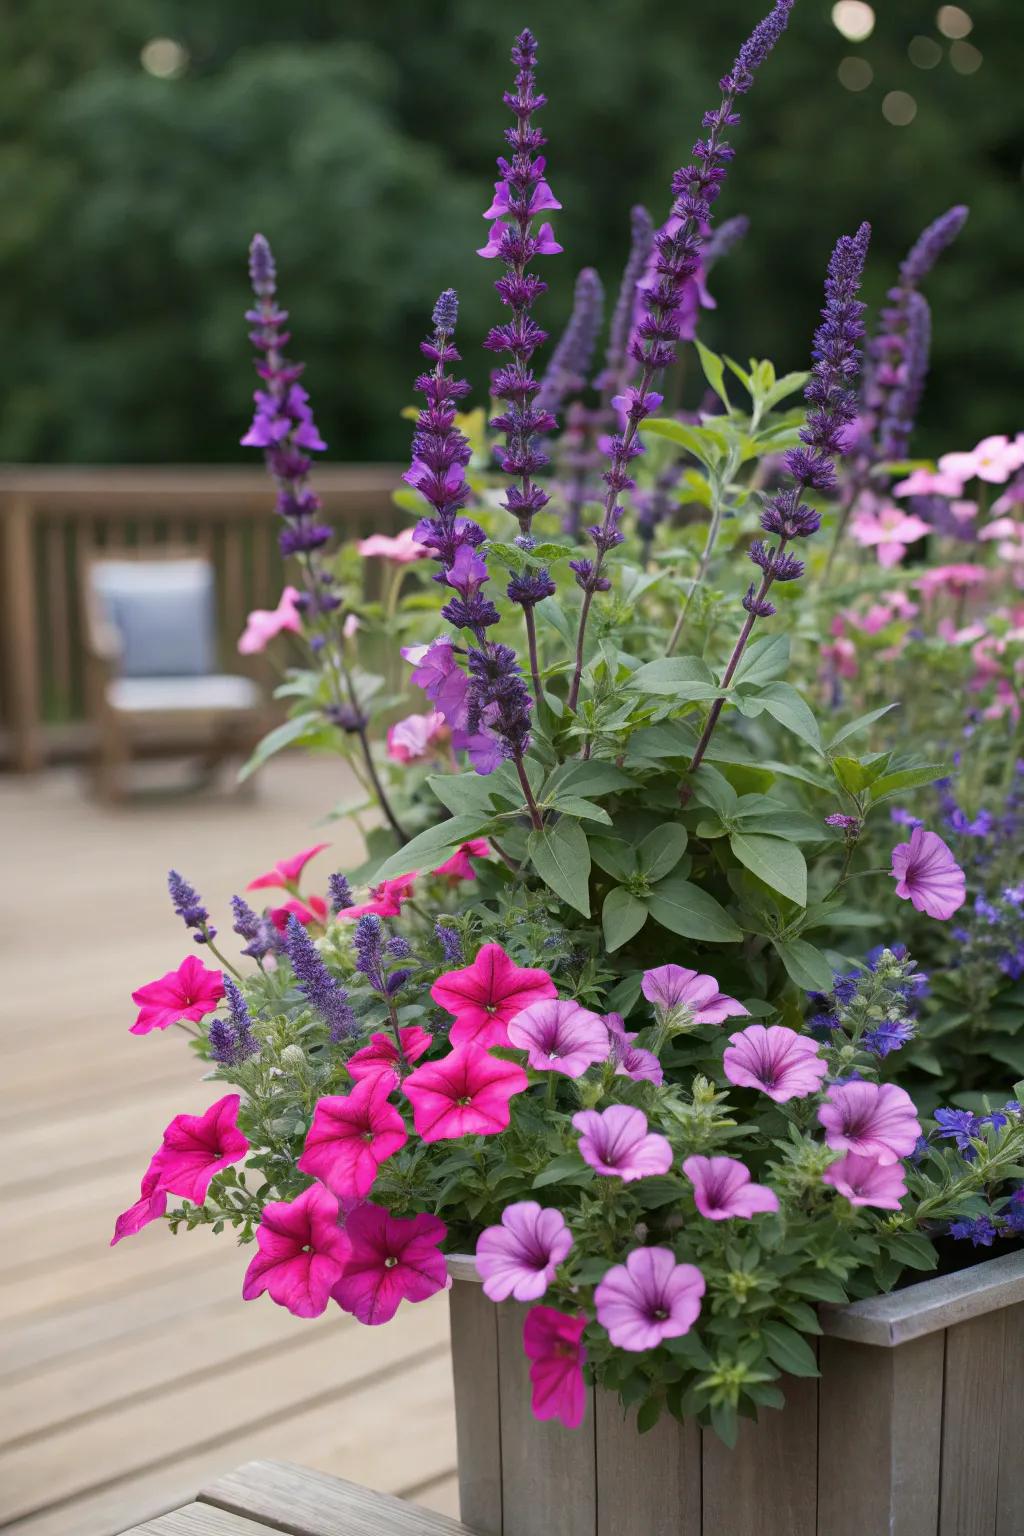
(531, 640)
(536, 818)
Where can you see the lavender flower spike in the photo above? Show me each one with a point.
(189, 906)
(569, 368)
(930, 244)
(613, 378)
(232, 1040)
(316, 983)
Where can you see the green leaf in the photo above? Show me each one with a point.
(704, 443)
(583, 810)
(648, 1414)
(907, 778)
(683, 678)
(622, 916)
(765, 661)
(804, 964)
(430, 848)
(289, 734)
(561, 856)
(685, 909)
(713, 789)
(714, 371)
(788, 1349)
(661, 850)
(617, 859)
(860, 724)
(462, 793)
(819, 1287)
(594, 777)
(569, 1166)
(851, 773)
(779, 864)
(792, 712)
(912, 1248)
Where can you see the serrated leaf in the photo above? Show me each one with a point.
(561, 856)
(430, 848)
(788, 1349)
(804, 964)
(661, 850)
(685, 909)
(779, 864)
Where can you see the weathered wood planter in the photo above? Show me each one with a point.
(915, 1428)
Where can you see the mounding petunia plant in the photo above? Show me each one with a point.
(605, 1008)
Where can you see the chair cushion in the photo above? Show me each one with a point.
(163, 612)
(217, 694)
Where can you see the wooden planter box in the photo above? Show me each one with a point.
(915, 1428)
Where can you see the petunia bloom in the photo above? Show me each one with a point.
(380, 1058)
(867, 1181)
(890, 531)
(402, 549)
(553, 1342)
(871, 1119)
(617, 1143)
(385, 899)
(722, 1188)
(414, 738)
(190, 992)
(648, 1299)
(265, 624)
(286, 872)
(459, 867)
(467, 1093)
(311, 909)
(392, 1259)
(673, 987)
(486, 995)
(195, 1147)
(150, 1206)
(302, 1252)
(519, 1257)
(927, 874)
(351, 1136)
(631, 1060)
(777, 1060)
(560, 1036)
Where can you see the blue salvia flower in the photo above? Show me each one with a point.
(978, 1231)
(232, 1040)
(255, 930)
(451, 944)
(339, 894)
(189, 907)
(569, 369)
(317, 985)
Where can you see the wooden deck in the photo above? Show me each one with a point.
(129, 1377)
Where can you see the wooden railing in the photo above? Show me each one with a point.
(50, 517)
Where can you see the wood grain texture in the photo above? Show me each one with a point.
(198, 1520)
(1010, 1492)
(972, 1404)
(548, 1474)
(766, 1485)
(648, 1483)
(474, 1334)
(299, 1502)
(880, 1409)
(931, 1305)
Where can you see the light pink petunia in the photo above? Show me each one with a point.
(351, 1136)
(553, 1342)
(957, 579)
(484, 996)
(617, 1143)
(385, 899)
(459, 866)
(150, 1206)
(631, 1060)
(309, 909)
(722, 1188)
(465, 1094)
(392, 1259)
(302, 1252)
(995, 459)
(927, 874)
(672, 987)
(190, 992)
(560, 1036)
(871, 1119)
(286, 872)
(519, 1257)
(412, 739)
(926, 482)
(777, 1060)
(380, 1058)
(890, 531)
(402, 549)
(265, 624)
(195, 1147)
(648, 1299)
(867, 1181)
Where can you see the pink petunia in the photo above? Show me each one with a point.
(777, 1060)
(553, 1342)
(723, 1188)
(926, 482)
(467, 1093)
(459, 866)
(302, 1252)
(351, 1136)
(617, 1143)
(648, 1299)
(519, 1257)
(890, 531)
(402, 549)
(437, 672)
(871, 1119)
(195, 1147)
(380, 1058)
(190, 992)
(286, 872)
(392, 1259)
(150, 1206)
(673, 987)
(412, 739)
(385, 899)
(265, 624)
(560, 1036)
(631, 1060)
(957, 579)
(867, 1181)
(995, 459)
(310, 909)
(486, 995)
(927, 874)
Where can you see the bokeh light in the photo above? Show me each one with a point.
(952, 21)
(855, 73)
(854, 19)
(924, 52)
(965, 58)
(899, 108)
(164, 58)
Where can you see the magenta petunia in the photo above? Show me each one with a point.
(553, 1342)
(870, 1119)
(286, 872)
(649, 1298)
(392, 1259)
(519, 1257)
(467, 1093)
(311, 909)
(302, 1251)
(265, 624)
(380, 1058)
(560, 1036)
(150, 1206)
(617, 1143)
(867, 1181)
(195, 1147)
(672, 987)
(927, 874)
(190, 992)
(631, 1060)
(723, 1188)
(459, 866)
(385, 899)
(351, 1136)
(485, 996)
(777, 1060)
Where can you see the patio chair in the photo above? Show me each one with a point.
(153, 684)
